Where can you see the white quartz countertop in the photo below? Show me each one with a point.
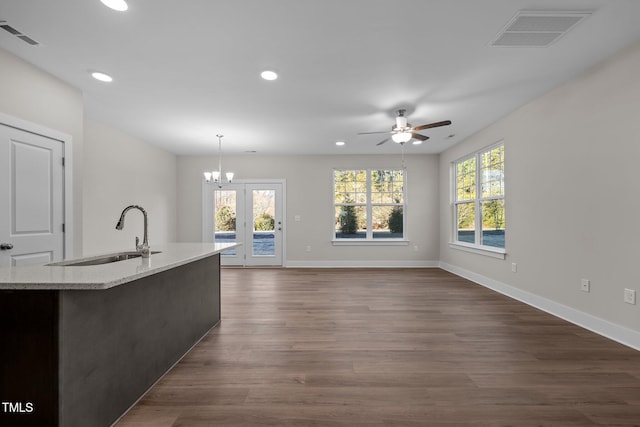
(105, 276)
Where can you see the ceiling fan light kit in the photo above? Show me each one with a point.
(401, 137)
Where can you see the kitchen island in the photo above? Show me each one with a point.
(81, 343)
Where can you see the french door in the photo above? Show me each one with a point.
(248, 213)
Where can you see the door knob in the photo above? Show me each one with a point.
(6, 246)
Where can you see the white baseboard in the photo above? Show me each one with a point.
(595, 324)
(361, 264)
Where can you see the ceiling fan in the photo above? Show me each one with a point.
(402, 132)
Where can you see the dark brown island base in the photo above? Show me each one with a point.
(80, 344)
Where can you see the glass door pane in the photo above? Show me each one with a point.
(226, 208)
(264, 224)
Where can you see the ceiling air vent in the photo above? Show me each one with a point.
(11, 30)
(529, 28)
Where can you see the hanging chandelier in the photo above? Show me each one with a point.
(216, 176)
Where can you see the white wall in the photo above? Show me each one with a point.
(309, 194)
(571, 196)
(110, 169)
(31, 94)
(123, 171)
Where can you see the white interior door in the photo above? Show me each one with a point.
(32, 194)
(246, 213)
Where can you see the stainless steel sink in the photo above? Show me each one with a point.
(99, 260)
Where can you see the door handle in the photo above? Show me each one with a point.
(6, 246)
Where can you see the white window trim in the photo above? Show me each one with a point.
(370, 241)
(480, 250)
(490, 251)
(363, 242)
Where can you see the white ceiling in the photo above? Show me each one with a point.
(187, 70)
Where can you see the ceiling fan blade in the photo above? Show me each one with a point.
(433, 125)
(370, 133)
(420, 137)
(383, 141)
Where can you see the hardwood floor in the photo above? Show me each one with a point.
(389, 347)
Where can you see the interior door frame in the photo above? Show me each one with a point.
(67, 171)
(207, 209)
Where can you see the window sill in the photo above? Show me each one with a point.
(363, 242)
(480, 250)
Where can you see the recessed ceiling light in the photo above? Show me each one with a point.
(101, 76)
(119, 5)
(269, 75)
(340, 143)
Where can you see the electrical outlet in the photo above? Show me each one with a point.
(629, 296)
(415, 248)
(308, 249)
(514, 267)
(585, 285)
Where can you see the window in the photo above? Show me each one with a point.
(369, 204)
(479, 199)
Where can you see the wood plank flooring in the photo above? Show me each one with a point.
(389, 347)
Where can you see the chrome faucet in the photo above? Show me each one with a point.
(143, 249)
